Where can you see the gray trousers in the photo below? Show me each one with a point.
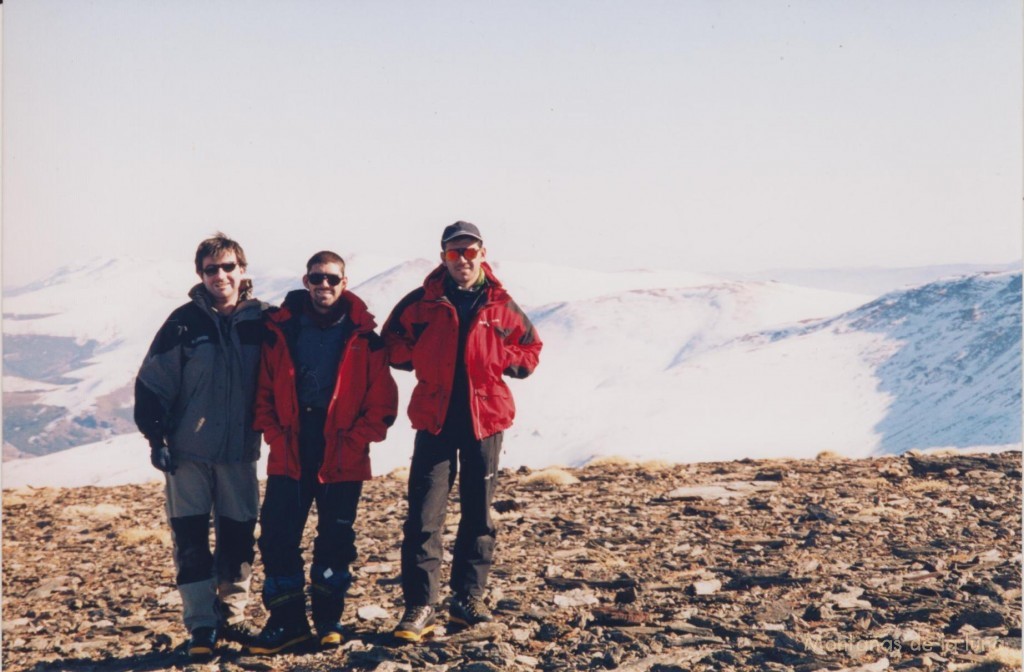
(214, 586)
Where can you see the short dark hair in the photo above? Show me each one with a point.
(216, 245)
(325, 257)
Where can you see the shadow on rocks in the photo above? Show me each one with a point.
(160, 660)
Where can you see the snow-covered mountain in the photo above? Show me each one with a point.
(645, 364)
(871, 280)
(948, 359)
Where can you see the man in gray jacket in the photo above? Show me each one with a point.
(194, 404)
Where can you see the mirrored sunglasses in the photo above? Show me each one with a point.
(212, 269)
(468, 253)
(318, 279)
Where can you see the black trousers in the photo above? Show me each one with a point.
(436, 461)
(283, 517)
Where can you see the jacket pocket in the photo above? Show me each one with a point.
(279, 458)
(348, 459)
(427, 406)
(495, 408)
(334, 457)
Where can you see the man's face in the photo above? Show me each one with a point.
(221, 283)
(321, 291)
(464, 272)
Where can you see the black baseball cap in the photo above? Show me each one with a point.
(460, 228)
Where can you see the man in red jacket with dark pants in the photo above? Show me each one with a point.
(324, 393)
(460, 332)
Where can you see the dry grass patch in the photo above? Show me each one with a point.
(1009, 658)
(936, 452)
(609, 461)
(15, 498)
(656, 466)
(551, 476)
(93, 511)
(399, 474)
(927, 485)
(872, 483)
(996, 660)
(875, 511)
(137, 536)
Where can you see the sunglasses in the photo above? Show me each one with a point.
(468, 253)
(318, 278)
(212, 269)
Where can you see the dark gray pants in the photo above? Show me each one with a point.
(436, 462)
(214, 586)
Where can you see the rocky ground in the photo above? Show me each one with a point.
(910, 563)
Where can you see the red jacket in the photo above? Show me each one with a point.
(362, 407)
(422, 334)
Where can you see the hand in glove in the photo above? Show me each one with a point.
(160, 456)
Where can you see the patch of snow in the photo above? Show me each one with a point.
(117, 461)
(642, 364)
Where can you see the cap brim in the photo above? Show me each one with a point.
(461, 234)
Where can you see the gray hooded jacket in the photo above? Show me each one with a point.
(197, 385)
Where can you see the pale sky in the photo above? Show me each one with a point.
(703, 136)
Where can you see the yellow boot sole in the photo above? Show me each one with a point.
(266, 650)
(410, 636)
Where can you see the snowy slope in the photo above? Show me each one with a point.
(872, 280)
(623, 355)
(117, 304)
(948, 357)
(116, 461)
(111, 308)
(934, 366)
(645, 364)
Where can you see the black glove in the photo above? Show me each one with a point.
(160, 456)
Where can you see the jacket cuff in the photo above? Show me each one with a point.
(271, 434)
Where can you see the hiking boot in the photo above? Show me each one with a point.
(243, 632)
(469, 610)
(276, 638)
(328, 605)
(329, 633)
(202, 642)
(416, 623)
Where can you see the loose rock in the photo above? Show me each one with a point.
(747, 565)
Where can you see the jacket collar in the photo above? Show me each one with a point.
(201, 297)
(355, 309)
(433, 285)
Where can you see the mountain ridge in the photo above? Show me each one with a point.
(662, 362)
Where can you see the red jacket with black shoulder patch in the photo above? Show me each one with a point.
(422, 335)
(362, 407)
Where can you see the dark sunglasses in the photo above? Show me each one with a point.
(212, 269)
(469, 253)
(318, 278)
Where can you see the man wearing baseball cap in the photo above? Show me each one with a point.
(460, 332)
